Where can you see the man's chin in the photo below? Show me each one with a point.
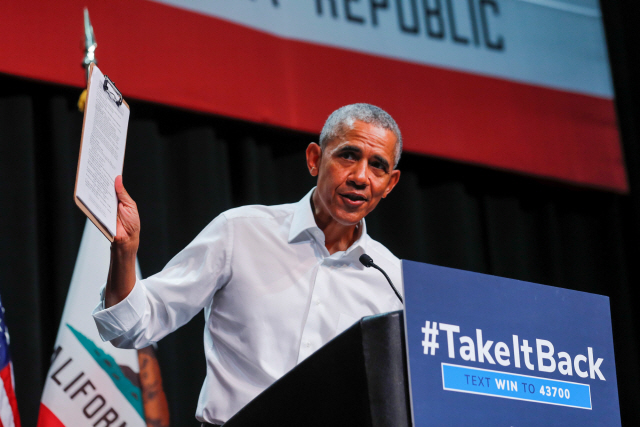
(349, 219)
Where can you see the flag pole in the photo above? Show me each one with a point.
(156, 408)
(90, 46)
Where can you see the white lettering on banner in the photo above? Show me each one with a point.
(550, 43)
(450, 329)
(564, 367)
(468, 351)
(545, 352)
(483, 350)
(542, 356)
(506, 385)
(576, 364)
(502, 351)
(526, 351)
(594, 368)
(430, 338)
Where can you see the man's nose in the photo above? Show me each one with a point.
(359, 174)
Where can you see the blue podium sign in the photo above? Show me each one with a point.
(490, 351)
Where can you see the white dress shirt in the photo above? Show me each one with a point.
(271, 292)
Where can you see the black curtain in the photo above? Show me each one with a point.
(184, 168)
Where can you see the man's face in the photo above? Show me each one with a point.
(354, 172)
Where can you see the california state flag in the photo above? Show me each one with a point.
(90, 382)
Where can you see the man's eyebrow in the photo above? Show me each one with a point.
(358, 150)
(382, 160)
(349, 149)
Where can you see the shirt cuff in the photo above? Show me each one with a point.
(118, 319)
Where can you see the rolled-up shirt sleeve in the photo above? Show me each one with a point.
(167, 300)
(112, 322)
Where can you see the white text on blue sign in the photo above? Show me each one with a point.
(518, 351)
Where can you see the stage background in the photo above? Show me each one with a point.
(183, 168)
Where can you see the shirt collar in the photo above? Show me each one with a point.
(303, 225)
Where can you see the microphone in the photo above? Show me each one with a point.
(367, 261)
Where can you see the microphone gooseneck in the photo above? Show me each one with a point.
(367, 261)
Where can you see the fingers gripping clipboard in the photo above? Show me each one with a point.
(102, 148)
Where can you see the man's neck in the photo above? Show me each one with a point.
(337, 237)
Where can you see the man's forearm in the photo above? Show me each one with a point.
(122, 275)
(122, 269)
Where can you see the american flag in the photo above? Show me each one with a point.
(8, 405)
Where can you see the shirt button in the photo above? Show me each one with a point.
(307, 344)
(317, 302)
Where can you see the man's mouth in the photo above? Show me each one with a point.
(354, 197)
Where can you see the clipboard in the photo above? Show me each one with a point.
(116, 96)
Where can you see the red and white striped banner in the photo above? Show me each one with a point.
(521, 85)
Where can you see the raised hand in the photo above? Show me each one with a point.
(122, 271)
(128, 225)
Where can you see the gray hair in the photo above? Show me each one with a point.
(344, 117)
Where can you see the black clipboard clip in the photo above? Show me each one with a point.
(112, 90)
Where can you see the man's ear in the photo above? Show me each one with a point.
(395, 177)
(314, 156)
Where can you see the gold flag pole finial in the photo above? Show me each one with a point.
(90, 46)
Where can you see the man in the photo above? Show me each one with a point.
(276, 282)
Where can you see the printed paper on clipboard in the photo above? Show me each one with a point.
(102, 147)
